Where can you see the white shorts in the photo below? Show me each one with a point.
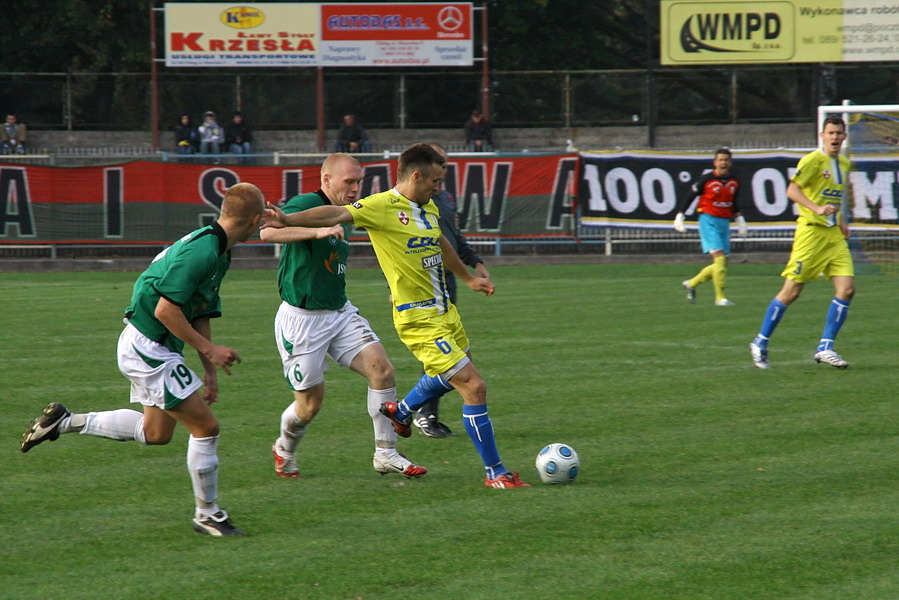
(305, 337)
(159, 377)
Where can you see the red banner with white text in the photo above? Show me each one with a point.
(146, 202)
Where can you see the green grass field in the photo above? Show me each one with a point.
(701, 476)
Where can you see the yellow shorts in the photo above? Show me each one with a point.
(818, 250)
(439, 342)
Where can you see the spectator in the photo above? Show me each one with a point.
(351, 137)
(238, 138)
(478, 134)
(13, 136)
(187, 138)
(211, 135)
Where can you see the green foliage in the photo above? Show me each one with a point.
(113, 35)
(702, 478)
(78, 35)
(543, 34)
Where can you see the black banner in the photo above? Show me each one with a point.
(646, 189)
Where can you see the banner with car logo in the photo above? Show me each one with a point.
(277, 34)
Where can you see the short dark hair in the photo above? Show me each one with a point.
(833, 120)
(419, 157)
(723, 151)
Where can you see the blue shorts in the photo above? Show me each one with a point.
(714, 232)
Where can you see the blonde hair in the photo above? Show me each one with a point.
(332, 162)
(242, 202)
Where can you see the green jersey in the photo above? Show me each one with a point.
(187, 273)
(312, 273)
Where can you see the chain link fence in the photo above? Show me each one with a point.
(286, 98)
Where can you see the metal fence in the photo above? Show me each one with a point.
(285, 98)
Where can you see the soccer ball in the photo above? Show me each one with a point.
(557, 463)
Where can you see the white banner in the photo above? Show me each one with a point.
(318, 34)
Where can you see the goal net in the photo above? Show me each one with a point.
(873, 197)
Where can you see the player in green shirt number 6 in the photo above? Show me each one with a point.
(404, 231)
(316, 321)
(172, 303)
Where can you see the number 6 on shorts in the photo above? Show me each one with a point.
(443, 345)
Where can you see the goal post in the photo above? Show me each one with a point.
(872, 144)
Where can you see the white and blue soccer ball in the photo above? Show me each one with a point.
(557, 463)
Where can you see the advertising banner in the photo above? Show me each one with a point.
(146, 202)
(646, 189)
(227, 35)
(396, 35)
(778, 31)
(280, 34)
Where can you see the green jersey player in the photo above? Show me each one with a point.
(316, 321)
(172, 303)
(403, 226)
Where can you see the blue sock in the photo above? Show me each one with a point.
(772, 317)
(428, 388)
(836, 316)
(480, 430)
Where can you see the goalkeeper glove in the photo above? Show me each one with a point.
(742, 229)
(679, 223)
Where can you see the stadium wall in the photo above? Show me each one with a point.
(674, 137)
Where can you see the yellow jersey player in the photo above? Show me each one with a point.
(819, 245)
(402, 224)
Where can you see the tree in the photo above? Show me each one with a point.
(567, 34)
(77, 36)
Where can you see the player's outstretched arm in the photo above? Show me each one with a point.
(320, 216)
(299, 234)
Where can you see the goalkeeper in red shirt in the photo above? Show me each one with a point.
(717, 191)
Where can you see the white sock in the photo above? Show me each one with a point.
(74, 423)
(292, 430)
(385, 436)
(123, 425)
(202, 464)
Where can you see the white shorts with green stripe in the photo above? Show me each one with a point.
(159, 377)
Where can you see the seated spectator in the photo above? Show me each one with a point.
(478, 134)
(212, 137)
(13, 136)
(351, 137)
(238, 137)
(187, 138)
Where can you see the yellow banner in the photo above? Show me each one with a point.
(778, 31)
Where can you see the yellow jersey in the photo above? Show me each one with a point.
(406, 239)
(823, 180)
